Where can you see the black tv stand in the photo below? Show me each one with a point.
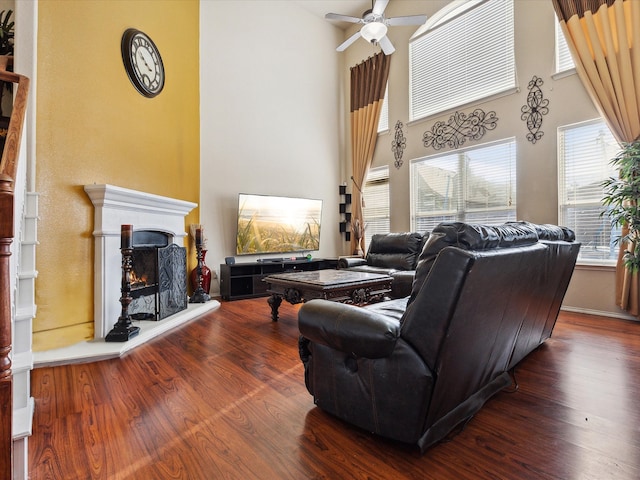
(244, 280)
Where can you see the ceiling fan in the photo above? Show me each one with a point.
(374, 26)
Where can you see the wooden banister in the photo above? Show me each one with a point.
(8, 169)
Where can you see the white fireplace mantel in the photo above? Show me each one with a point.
(115, 206)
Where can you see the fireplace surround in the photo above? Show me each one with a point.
(113, 207)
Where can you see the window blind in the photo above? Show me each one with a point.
(475, 185)
(564, 60)
(383, 123)
(585, 151)
(376, 203)
(462, 60)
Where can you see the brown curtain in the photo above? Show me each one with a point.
(368, 82)
(604, 40)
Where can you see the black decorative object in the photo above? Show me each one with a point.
(536, 107)
(344, 212)
(172, 280)
(123, 330)
(398, 144)
(292, 295)
(360, 296)
(459, 128)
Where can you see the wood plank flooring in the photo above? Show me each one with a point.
(223, 397)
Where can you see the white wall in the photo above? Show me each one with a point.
(270, 115)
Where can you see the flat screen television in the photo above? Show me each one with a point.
(271, 224)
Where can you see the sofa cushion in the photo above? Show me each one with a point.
(470, 237)
(395, 250)
(550, 232)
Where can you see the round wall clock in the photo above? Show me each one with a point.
(142, 62)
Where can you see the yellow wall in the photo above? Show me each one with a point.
(92, 126)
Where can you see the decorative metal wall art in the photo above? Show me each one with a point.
(398, 144)
(459, 128)
(536, 107)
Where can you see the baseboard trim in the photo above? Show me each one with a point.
(600, 313)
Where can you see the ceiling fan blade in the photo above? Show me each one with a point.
(379, 6)
(386, 45)
(409, 20)
(348, 42)
(343, 18)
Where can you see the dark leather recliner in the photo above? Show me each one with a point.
(412, 369)
(393, 254)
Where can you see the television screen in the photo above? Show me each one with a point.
(270, 224)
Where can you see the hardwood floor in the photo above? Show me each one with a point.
(224, 397)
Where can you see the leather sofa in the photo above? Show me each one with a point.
(413, 369)
(393, 254)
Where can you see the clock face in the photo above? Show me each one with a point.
(142, 62)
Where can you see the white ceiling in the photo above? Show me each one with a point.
(353, 8)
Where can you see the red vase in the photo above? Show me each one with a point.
(206, 275)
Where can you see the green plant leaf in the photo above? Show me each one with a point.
(622, 199)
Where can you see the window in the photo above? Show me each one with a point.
(564, 60)
(383, 123)
(474, 185)
(462, 57)
(584, 154)
(376, 203)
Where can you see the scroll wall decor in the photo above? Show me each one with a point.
(460, 128)
(398, 144)
(536, 107)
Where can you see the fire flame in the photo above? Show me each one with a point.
(137, 281)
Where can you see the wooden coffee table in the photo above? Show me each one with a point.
(335, 285)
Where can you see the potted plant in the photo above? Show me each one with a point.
(622, 201)
(6, 32)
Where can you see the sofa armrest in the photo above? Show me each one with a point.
(347, 262)
(348, 328)
(402, 283)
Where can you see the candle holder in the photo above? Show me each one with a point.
(123, 330)
(199, 295)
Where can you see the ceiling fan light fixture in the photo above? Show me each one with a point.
(373, 31)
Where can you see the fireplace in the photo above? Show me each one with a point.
(158, 277)
(113, 207)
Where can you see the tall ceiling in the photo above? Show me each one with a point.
(353, 8)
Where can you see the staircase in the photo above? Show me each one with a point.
(25, 311)
(15, 363)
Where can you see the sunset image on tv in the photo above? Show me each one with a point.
(269, 224)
